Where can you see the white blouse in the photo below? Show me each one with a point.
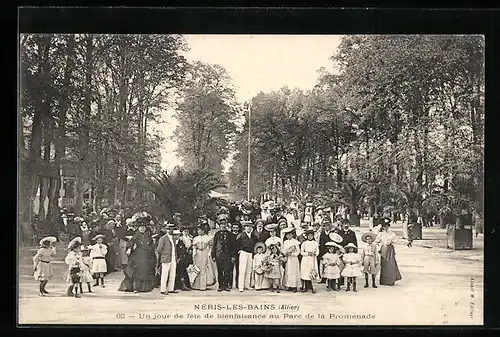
(386, 237)
(309, 247)
(73, 259)
(288, 244)
(98, 250)
(274, 241)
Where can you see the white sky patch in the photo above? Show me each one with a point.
(256, 63)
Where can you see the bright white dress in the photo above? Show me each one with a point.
(260, 281)
(354, 269)
(308, 263)
(291, 277)
(331, 272)
(97, 254)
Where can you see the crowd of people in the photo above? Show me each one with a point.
(274, 250)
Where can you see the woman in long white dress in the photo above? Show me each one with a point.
(201, 259)
(309, 263)
(291, 249)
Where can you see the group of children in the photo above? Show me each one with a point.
(280, 264)
(85, 264)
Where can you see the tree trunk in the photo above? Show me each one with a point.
(84, 129)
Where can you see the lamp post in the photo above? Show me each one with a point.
(249, 147)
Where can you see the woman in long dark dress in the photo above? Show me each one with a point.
(389, 271)
(140, 270)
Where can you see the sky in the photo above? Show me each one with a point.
(256, 63)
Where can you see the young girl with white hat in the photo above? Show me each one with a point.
(98, 254)
(86, 269)
(42, 263)
(74, 261)
(352, 269)
(331, 262)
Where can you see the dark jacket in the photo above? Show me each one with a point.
(323, 239)
(349, 237)
(262, 237)
(245, 243)
(164, 249)
(224, 245)
(182, 255)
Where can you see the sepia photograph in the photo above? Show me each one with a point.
(213, 179)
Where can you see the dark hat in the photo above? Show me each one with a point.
(309, 231)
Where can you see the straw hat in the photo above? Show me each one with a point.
(333, 244)
(98, 236)
(288, 230)
(271, 227)
(350, 245)
(76, 241)
(368, 234)
(309, 231)
(245, 223)
(335, 237)
(282, 221)
(261, 245)
(51, 239)
(176, 232)
(259, 221)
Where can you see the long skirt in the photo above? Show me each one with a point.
(260, 281)
(140, 271)
(291, 277)
(122, 252)
(206, 277)
(389, 272)
(307, 264)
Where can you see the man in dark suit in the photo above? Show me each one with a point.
(259, 233)
(183, 261)
(224, 254)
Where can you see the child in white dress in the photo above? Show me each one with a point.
(86, 269)
(98, 255)
(274, 275)
(352, 269)
(308, 265)
(74, 262)
(331, 261)
(260, 282)
(42, 263)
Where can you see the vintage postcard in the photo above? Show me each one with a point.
(251, 179)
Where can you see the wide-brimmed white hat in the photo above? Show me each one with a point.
(98, 236)
(51, 239)
(288, 230)
(73, 242)
(270, 227)
(350, 245)
(335, 237)
(176, 232)
(129, 221)
(336, 245)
